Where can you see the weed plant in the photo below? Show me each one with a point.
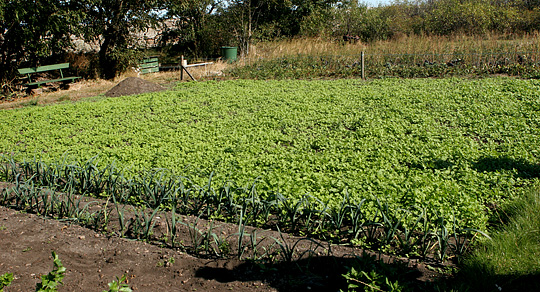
(411, 143)
(406, 169)
(408, 57)
(369, 274)
(118, 285)
(411, 44)
(51, 281)
(5, 281)
(508, 260)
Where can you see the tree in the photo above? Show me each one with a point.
(114, 23)
(195, 30)
(246, 13)
(32, 32)
(252, 19)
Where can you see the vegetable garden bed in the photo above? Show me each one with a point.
(451, 147)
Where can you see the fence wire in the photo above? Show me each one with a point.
(523, 63)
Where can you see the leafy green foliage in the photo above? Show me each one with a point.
(5, 280)
(449, 146)
(51, 281)
(118, 286)
(31, 32)
(116, 23)
(380, 228)
(441, 17)
(369, 274)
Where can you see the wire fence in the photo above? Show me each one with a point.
(477, 59)
(518, 63)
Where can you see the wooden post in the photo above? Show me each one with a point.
(182, 68)
(189, 74)
(363, 71)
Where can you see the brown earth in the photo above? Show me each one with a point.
(133, 85)
(94, 259)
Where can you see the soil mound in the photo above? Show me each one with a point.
(133, 85)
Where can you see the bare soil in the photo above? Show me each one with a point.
(97, 88)
(94, 259)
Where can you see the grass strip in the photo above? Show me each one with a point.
(511, 261)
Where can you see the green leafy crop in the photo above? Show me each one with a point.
(454, 147)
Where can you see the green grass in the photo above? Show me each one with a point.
(512, 259)
(451, 146)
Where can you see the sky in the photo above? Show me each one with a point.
(375, 3)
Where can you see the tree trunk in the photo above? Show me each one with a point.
(106, 63)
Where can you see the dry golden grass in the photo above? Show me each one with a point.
(77, 90)
(402, 45)
(304, 46)
(96, 87)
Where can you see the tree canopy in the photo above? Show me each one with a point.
(41, 31)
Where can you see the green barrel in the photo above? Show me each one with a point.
(229, 53)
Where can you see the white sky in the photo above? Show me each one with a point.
(375, 3)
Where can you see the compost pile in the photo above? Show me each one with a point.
(133, 85)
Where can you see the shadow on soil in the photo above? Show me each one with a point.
(323, 273)
(479, 279)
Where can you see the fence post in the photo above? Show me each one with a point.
(363, 68)
(182, 68)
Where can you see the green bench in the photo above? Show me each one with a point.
(149, 65)
(40, 69)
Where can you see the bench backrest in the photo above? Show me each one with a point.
(43, 68)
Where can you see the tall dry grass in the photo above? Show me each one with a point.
(416, 44)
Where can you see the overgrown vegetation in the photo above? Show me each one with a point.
(416, 168)
(384, 66)
(417, 145)
(411, 234)
(507, 262)
(485, 270)
(469, 145)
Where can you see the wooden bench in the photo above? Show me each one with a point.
(149, 65)
(34, 70)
